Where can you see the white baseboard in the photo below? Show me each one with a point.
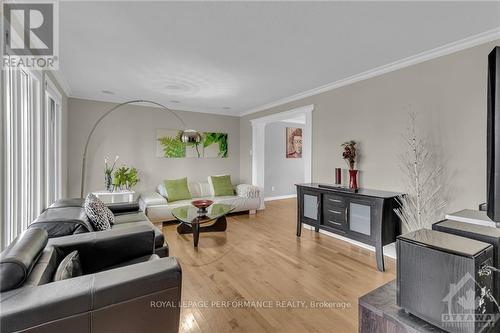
(389, 249)
(281, 197)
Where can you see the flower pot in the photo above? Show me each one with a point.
(353, 179)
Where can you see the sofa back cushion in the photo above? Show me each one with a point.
(177, 189)
(197, 189)
(18, 259)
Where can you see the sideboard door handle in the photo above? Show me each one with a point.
(334, 211)
(335, 200)
(337, 223)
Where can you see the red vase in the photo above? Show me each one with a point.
(353, 179)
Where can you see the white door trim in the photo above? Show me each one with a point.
(258, 142)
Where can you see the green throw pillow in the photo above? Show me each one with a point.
(222, 185)
(177, 189)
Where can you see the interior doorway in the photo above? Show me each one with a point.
(276, 127)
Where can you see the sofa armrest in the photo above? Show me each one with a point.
(63, 302)
(123, 207)
(99, 250)
(248, 191)
(151, 199)
(124, 283)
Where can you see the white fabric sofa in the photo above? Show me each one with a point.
(157, 208)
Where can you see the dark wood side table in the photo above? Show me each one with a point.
(366, 215)
(191, 220)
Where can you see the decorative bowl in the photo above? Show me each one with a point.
(202, 205)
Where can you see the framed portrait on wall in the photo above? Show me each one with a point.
(293, 142)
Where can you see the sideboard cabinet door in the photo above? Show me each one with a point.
(360, 217)
(310, 208)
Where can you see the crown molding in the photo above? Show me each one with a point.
(482, 38)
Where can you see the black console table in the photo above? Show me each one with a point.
(366, 215)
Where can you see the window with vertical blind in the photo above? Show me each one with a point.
(32, 148)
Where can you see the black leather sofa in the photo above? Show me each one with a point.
(67, 217)
(125, 287)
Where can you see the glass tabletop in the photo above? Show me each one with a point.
(190, 214)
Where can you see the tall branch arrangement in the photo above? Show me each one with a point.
(423, 203)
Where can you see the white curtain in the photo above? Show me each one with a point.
(31, 154)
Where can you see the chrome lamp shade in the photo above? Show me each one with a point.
(190, 136)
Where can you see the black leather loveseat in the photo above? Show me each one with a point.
(67, 217)
(117, 290)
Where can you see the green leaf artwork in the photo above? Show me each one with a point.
(215, 145)
(171, 144)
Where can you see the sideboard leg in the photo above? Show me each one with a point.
(379, 254)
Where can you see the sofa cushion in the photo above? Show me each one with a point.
(221, 185)
(123, 207)
(18, 259)
(177, 189)
(132, 217)
(98, 213)
(69, 267)
(134, 261)
(159, 239)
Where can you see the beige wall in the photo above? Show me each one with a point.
(130, 133)
(448, 94)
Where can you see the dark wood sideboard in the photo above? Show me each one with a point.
(366, 215)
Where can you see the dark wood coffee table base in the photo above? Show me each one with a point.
(186, 228)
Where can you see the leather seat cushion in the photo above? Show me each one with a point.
(159, 238)
(134, 261)
(132, 217)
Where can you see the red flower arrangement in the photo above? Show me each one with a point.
(349, 153)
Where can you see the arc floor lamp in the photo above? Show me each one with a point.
(187, 136)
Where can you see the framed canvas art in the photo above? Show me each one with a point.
(293, 142)
(169, 145)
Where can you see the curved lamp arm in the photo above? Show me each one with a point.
(104, 116)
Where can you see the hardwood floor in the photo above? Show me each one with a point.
(259, 258)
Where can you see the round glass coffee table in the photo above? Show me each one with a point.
(191, 219)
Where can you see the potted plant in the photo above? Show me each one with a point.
(349, 155)
(108, 171)
(132, 178)
(125, 177)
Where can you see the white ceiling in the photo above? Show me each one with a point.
(231, 57)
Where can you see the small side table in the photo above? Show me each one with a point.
(113, 195)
